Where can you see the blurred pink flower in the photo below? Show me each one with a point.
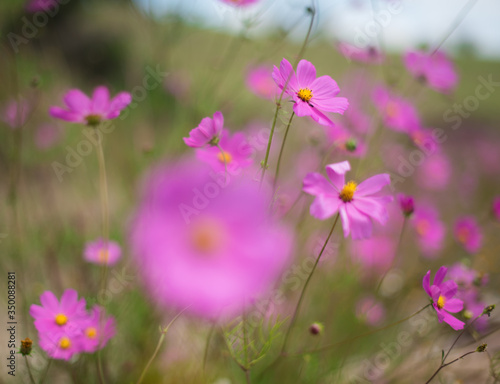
(434, 173)
(496, 207)
(236, 153)
(397, 113)
(15, 113)
(97, 330)
(429, 229)
(371, 311)
(369, 55)
(468, 233)
(47, 135)
(375, 255)
(82, 109)
(463, 276)
(260, 81)
(240, 3)
(207, 133)
(442, 298)
(311, 96)
(96, 252)
(345, 141)
(407, 204)
(40, 5)
(199, 247)
(357, 204)
(59, 345)
(435, 70)
(425, 140)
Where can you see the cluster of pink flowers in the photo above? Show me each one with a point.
(66, 328)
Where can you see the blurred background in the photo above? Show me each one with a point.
(197, 55)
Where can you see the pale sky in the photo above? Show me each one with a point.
(406, 23)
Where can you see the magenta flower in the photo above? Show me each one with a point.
(397, 113)
(375, 255)
(407, 204)
(96, 252)
(442, 298)
(430, 230)
(435, 70)
(15, 113)
(496, 207)
(370, 311)
(357, 204)
(468, 233)
(199, 247)
(91, 111)
(59, 345)
(97, 330)
(207, 133)
(345, 141)
(260, 81)
(369, 55)
(47, 135)
(41, 5)
(56, 316)
(236, 153)
(435, 172)
(311, 96)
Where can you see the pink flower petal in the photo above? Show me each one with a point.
(449, 289)
(454, 305)
(440, 274)
(49, 301)
(373, 184)
(100, 100)
(371, 208)
(71, 116)
(324, 87)
(453, 322)
(324, 206)
(336, 104)
(76, 100)
(316, 184)
(360, 224)
(336, 173)
(306, 74)
(426, 283)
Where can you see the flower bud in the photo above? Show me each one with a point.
(26, 346)
(406, 204)
(316, 328)
(481, 348)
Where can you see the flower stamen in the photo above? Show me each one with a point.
(61, 319)
(347, 192)
(305, 94)
(440, 302)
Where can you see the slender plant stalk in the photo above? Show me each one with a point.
(223, 156)
(247, 377)
(445, 365)
(32, 381)
(278, 103)
(329, 346)
(46, 371)
(297, 308)
(281, 152)
(163, 332)
(207, 345)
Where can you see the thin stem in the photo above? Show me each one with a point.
(205, 353)
(394, 261)
(460, 335)
(32, 381)
(223, 154)
(278, 103)
(326, 347)
(100, 372)
(46, 371)
(445, 365)
(281, 152)
(158, 346)
(247, 377)
(297, 308)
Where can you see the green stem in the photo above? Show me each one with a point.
(223, 156)
(158, 346)
(205, 353)
(445, 365)
(32, 380)
(281, 152)
(46, 371)
(297, 308)
(326, 347)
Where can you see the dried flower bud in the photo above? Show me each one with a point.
(481, 348)
(26, 346)
(488, 310)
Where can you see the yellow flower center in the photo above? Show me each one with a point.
(207, 236)
(61, 319)
(441, 301)
(347, 192)
(392, 109)
(463, 235)
(224, 157)
(64, 343)
(422, 227)
(305, 94)
(103, 256)
(91, 332)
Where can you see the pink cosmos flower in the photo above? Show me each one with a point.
(425, 140)
(47, 135)
(370, 310)
(240, 3)
(430, 230)
(369, 55)
(468, 233)
(207, 133)
(260, 81)
(96, 252)
(397, 113)
(56, 316)
(345, 141)
(311, 96)
(496, 207)
(435, 172)
(15, 113)
(91, 111)
(442, 298)
(206, 245)
(375, 255)
(236, 153)
(41, 5)
(96, 330)
(59, 345)
(357, 204)
(436, 70)
(407, 204)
